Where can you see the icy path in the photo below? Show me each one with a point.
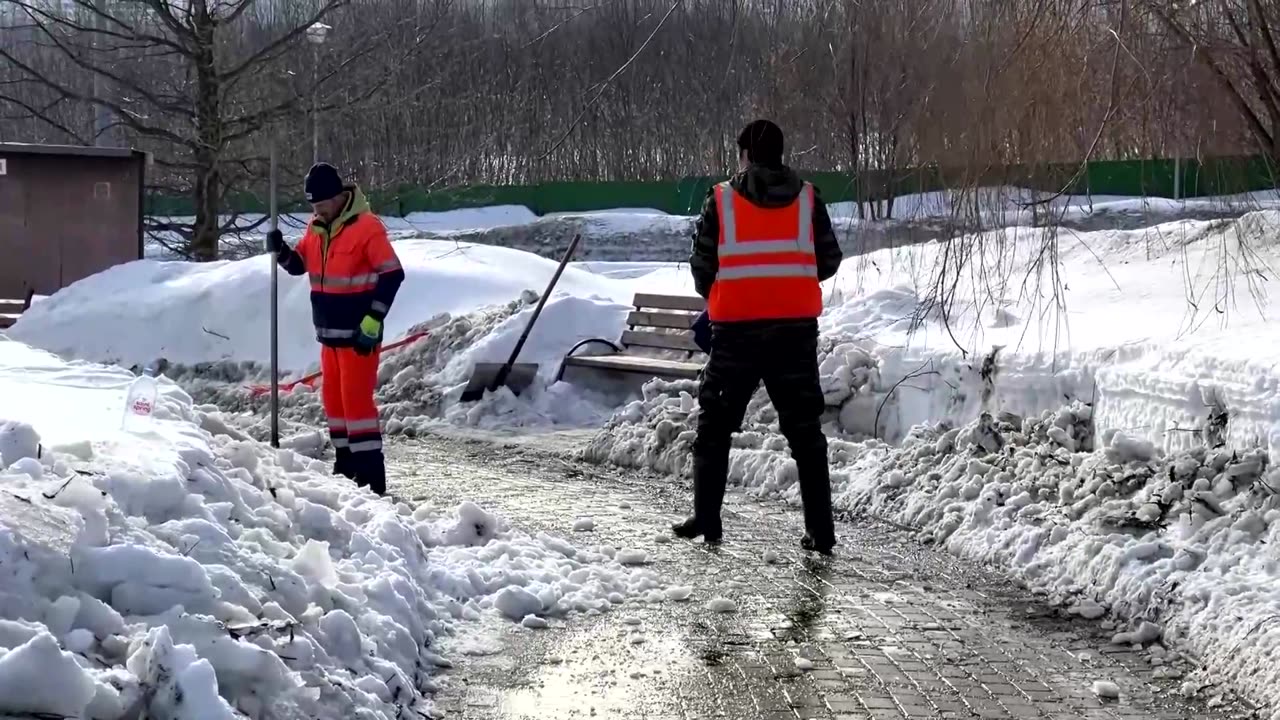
(888, 630)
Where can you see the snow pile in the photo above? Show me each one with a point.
(186, 572)
(421, 384)
(189, 313)
(657, 430)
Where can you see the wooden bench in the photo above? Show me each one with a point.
(658, 322)
(10, 311)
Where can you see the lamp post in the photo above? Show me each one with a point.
(316, 35)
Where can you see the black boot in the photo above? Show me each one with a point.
(710, 473)
(815, 494)
(372, 472)
(826, 547)
(692, 528)
(344, 463)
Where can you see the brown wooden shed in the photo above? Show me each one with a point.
(66, 212)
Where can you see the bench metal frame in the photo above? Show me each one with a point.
(642, 321)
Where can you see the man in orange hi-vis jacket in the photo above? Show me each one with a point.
(762, 245)
(354, 278)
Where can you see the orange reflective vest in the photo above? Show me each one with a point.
(768, 269)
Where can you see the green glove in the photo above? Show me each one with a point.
(369, 335)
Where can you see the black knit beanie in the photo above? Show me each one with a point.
(763, 142)
(322, 183)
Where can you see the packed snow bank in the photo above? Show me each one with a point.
(188, 572)
(1009, 205)
(206, 312)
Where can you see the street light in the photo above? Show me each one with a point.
(316, 35)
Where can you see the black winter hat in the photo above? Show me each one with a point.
(322, 183)
(763, 142)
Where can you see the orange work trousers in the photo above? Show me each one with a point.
(346, 388)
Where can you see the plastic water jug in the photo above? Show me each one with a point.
(140, 401)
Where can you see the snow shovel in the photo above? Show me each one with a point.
(517, 376)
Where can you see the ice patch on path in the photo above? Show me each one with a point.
(192, 573)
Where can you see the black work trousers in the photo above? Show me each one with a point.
(784, 355)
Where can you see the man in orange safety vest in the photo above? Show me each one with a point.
(763, 244)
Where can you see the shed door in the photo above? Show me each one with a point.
(24, 258)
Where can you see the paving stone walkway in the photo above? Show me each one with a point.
(888, 629)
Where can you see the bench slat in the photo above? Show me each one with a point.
(635, 364)
(674, 321)
(684, 341)
(669, 302)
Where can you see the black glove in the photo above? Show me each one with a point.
(275, 242)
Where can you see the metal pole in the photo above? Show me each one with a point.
(315, 104)
(275, 310)
(101, 116)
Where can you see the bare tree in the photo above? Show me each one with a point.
(199, 83)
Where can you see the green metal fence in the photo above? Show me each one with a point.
(1167, 178)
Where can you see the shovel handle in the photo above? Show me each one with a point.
(501, 377)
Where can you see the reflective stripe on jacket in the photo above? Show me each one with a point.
(353, 269)
(767, 266)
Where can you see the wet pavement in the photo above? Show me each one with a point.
(888, 629)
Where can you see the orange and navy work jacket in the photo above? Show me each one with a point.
(353, 269)
(768, 268)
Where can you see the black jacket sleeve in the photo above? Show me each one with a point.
(825, 244)
(291, 261)
(704, 258)
(390, 273)
(385, 293)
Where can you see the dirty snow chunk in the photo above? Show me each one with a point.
(1089, 610)
(474, 526)
(28, 466)
(771, 556)
(533, 622)
(584, 524)
(632, 557)
(631, 620)
(804, 664)
(679, 593)
(1147, 632)
(313, 561)
(17, 441)
(515, 602)
(661, 538)
(79, 641)
(1106, 689)
(722, 605)
(39, 678)
(637, 640)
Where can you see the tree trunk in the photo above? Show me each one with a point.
(206, 190)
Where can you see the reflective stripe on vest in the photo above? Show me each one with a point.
(768, 266)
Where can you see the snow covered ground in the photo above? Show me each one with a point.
(188, 572)
(1095, 410)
